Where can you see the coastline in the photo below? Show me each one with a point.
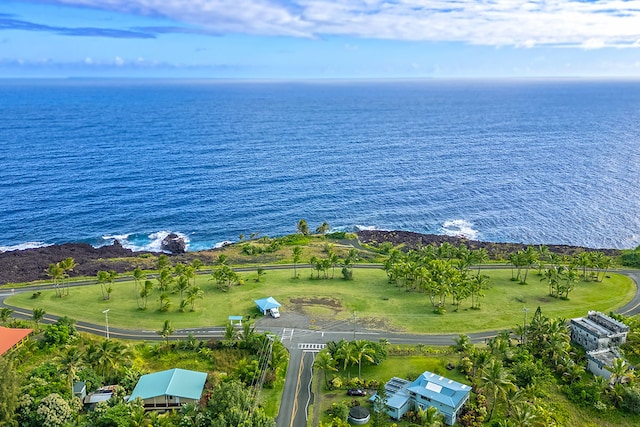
(29, 265)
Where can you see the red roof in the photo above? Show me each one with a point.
(10, 337)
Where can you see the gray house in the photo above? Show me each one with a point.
(598, 331)
(428, 390)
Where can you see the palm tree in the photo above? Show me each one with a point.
(55, 272)
(197, 265)
(297, 255)
(347, 354)
(302, 227)
(5, 314)
(67, 265)
(106, 279)
(462, 344)
(325, 363)
(364, 350)
(323, 228)
(430, 417)
(497, 381)
(620, 369)
(166, 331)
(106, 356)
(165, 302)
(193, 293)
(71, 360)
(138, 275)
(145, 291)
(182, 284)
(165, 278)
(37, 316)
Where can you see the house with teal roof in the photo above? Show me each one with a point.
(267, 304)
(428, 390)
(169, 389)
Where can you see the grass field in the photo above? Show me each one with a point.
(378, 304)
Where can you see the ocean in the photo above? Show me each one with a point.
(531, 161)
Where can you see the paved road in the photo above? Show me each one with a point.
(302, 344)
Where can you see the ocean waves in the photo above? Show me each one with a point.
(531, 162)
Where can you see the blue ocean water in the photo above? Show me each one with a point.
(508, 161)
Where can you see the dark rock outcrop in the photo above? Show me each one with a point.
(174, 244)
(410, 240)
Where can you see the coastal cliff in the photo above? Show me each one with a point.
(31, 264)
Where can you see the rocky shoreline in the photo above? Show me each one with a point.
(31, 264)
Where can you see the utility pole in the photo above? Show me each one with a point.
(524, 325)
(354, 325)
(106, 319)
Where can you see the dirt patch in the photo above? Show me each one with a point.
(543, 299)
(377, 323)
(306, 304)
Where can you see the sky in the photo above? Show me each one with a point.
(319, 39)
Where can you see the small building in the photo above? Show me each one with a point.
(265, 305)
(11, 338)
(599, 362)
(428, 390)
(102, 394)
(80, 390)
(169, 389)
(598, 331)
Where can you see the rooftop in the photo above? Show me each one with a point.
(173, 382)
(11, 336)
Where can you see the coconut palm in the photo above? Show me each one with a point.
(363, 350)
(67, 265)
(182, 284)
(496, 380)
(193, 293)
(145, 291)
(166, 331)
(323, 228)
(620, 369)
(297, 255)
(430, 417)
(106, 356)
(55, 272)
(165, 279)
(325, 363)
(302, 227)
(138, 275)
(37, 316)
(71, 360)
(5, 314)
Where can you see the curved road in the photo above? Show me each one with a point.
(302, 344)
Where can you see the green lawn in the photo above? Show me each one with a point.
(378, 304)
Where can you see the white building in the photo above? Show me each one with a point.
(598, 331)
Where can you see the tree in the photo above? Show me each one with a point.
(55, 272)
(71, 361)
(496, 380)
(303, 227)
(261, 272)
(106, 356)
(232, 405)
(297, 255)
(323, 228)
(37, 316)
(67, 265)
(620, 369)
(53, 411)
(5, 314)
(194, 293)
(182, 285)
(166, 331)
(430, 417)
(165, 279)
(8, 393)
(145, 291)
(138, 276)
(162, 262)
(364, 350)
(106, 279)
(325, 362)
(379, 416)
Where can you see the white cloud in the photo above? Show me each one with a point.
(118, 61)
(497, 23)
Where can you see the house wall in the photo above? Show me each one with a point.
(599, 369)
(166, 401)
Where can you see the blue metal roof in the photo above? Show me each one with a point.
(174, 382)
(440, 389)
(265, 304)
